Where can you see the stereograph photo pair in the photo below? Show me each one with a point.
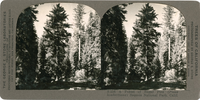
(100, 50)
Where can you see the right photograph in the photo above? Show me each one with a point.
(143, 47)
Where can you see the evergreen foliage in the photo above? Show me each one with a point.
(57, 39)
(179, 50)
(113, 46)
(44, 70)
(68, 70)
(134, 71)
(146, 37)
(100, 57)
(91, 48)
(79, 32)
(168, 35)
(26, 49)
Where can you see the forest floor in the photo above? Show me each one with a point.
(126, 86)
(150, 86)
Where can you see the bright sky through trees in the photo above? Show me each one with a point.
(134, 8)
(44, 9)
(69, 7)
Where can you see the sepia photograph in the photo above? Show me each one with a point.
(143, 47)
(67, 46)
(99, 50)
(58, 47)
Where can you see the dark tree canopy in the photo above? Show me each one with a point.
(134, 72)
(99, 55)
(91, 48)
(147, 38)
(169, 36)
(57, 39)
(78, 35)
(44, 74)
(26, 48)
(179, 50)
(113, 45)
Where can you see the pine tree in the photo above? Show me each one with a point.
(113, 46)
(68, 70)
(179, 50)
(26, 49)
(57, 39)
(78, 35)
(158, 71)
(44, 75)
(91, 48)
(134, 71)
(168, 36)
(147, 38)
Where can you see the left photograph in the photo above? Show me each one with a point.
(58, 47)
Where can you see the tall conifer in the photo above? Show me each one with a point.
(168, 35)
(147, 38)
(113, 46)
(57, 38)
(91, 48)
(78, 35)
(26, 48)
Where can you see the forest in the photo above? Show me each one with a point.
(98, 54)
